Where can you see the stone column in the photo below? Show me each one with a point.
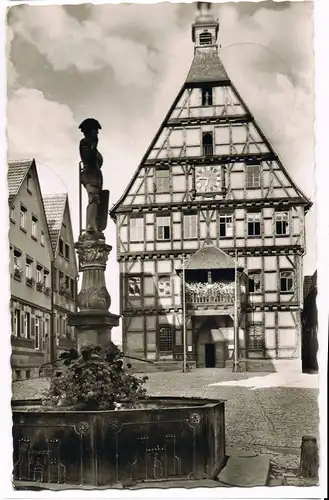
(93, 322)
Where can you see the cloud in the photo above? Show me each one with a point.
(12, 73)
(106, 39)
(37, 125)
(130, 62)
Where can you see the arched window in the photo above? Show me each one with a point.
(205, 38)
(166, 339)
(207, 144)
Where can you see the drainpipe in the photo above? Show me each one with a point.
(236, 326)
(184, 319)
(52, 315)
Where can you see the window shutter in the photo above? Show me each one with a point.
(12, 317)
(42, 343)
(32, 326)
(22, 324)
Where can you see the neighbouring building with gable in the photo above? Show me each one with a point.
(43, 270)
(64, 269)
(30, 270)
(211, 201)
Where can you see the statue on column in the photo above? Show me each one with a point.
(91, 177)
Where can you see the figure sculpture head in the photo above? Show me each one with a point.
(90, 127)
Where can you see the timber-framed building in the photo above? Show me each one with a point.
(211, 200)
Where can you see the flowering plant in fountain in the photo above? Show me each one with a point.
(94, 380)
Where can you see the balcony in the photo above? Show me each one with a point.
(208, 297)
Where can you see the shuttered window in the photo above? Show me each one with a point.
(190, 226)
(162, 180)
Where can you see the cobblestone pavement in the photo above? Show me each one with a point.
(270, 419)
(268, 416)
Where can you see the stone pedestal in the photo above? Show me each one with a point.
(93, 322)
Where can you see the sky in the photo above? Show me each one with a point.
(124, 65)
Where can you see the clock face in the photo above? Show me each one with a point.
(208, 179)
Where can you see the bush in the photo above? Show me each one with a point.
(95, 380)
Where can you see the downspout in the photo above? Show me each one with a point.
(52, 316)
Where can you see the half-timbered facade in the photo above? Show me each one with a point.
(211, 205)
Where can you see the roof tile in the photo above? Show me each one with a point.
(210, 257)
(207, 67)
(54, 207)
(17, 171)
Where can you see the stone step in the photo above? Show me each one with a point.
(246, 471)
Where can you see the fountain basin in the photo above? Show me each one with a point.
(160, 439)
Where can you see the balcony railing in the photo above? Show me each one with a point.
(218, 293)
(209, 298)
(208, 150)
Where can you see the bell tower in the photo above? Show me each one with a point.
(205, 29)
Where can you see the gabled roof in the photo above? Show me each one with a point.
(17, 171)
(54, 207)
(210, 257)
(207, 67)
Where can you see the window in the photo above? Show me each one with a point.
(18, 375)
(12, 213)
(253, 176)
(281, 223)
(256, 338)
(166, 339)
(27, 325)
(206, 96)
(134, 286)
(42, 237)
(28, 268)
(17, 323)
(286, 281)
(39, 274)
(255, 282)
(67, 252)
(163, 228)
(162, 180)
(67, 282)
(61, 282)
(226, 226)
(37, 333)
(17, 260)
(191, 226)
(207, 144)
(46, 278)
(164, 286)
(34, 227)
(61, 247)
(254, 224)
(137, 229)
(28, 374)
(22, 215)
(28, 183)
(46, 328)
(205, 38)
